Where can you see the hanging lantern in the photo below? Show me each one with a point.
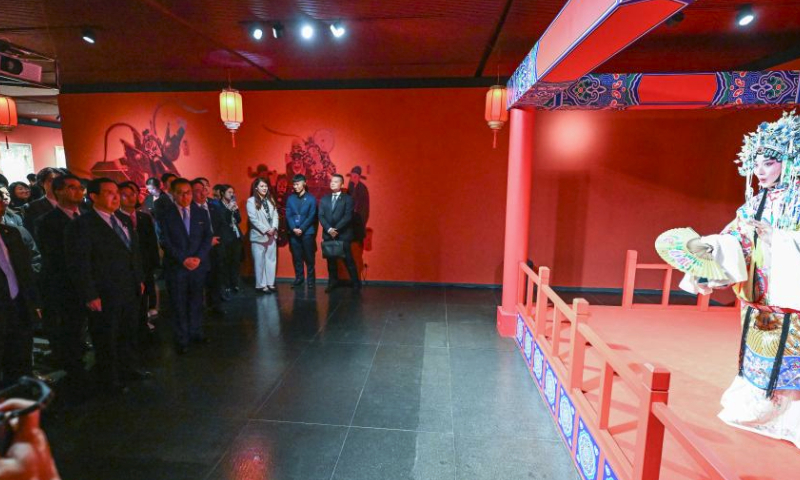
(8, 116)
(230, 111)
(496, 113)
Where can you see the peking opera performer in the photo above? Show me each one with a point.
(760, 253)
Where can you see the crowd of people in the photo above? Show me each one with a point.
(80, 260)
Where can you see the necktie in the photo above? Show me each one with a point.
(120, 232)
(133, 220)
(5, 266)
(75, 215)
(333, 203)
(185, 214)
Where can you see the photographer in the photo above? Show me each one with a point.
(29, 456)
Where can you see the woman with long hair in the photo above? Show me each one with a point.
(231, 237)
(262, 213)
(20, 195)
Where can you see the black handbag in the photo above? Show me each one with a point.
(333, 249)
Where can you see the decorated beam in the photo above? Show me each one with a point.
(674, 91)
(584, 35)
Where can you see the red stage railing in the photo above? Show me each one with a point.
(650, 384)
(632, 265)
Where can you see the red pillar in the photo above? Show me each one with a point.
(518, 209)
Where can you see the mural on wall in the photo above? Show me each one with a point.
(146, 154)
(311, 156)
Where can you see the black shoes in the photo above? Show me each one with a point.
(297, 283)
(332, 285)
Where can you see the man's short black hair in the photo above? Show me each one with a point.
(167, 176)
(179, 181)
(45, 173)
(201, 179)
(153, 182)
(339, 176)
(197, 181)
(299, 178)
(94, 185)
(60, 181)
(31, 177)
(3, 180)
(128, 184)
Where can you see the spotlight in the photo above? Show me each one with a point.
(337, 29)
(88, 36)
(257, 32)
(307, 31)
(745, 15)
(277, 30)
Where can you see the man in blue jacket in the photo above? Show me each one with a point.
(301, 217)
(186, 239)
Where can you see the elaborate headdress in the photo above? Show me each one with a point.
(779, 140)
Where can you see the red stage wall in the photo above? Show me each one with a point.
(436, 186)
(603, 181)
(607, 181)
(43, 141)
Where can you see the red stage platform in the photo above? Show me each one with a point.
(700, 349)
(634, 390)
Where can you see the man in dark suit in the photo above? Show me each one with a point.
(201, 188)
(336, 218)
(37, 208)
(106, 269)
(164, 201)
(64, 313)
(145, 228)
(17, 298)
(186, 240)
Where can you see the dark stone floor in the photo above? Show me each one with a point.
(394, 383)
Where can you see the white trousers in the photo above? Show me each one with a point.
(265, 262)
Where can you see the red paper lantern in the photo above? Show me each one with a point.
(496, 112)
(8, 115)
(230, 111)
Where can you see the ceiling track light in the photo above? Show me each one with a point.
(257, 31)
(277, 30)
(88, 36)
(337, 28)
(745, 15)
(307, 31)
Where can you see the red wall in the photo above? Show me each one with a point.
(603, 182)
(437, 188)
(43, 141)
(607, 181)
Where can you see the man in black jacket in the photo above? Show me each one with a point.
(64, 313)
(145, 228)
(336, 218)
(17, 297)
(106, 269)
(37, 208)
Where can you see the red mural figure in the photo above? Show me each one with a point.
(147, 155)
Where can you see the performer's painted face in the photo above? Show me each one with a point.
(768, 171)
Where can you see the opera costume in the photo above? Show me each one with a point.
(759, 252)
